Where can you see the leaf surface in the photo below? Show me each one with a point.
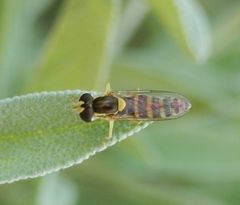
(40, 133)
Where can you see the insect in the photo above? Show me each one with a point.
(131, 105)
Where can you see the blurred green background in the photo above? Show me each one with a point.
(82, 44)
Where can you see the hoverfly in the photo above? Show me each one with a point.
(136, 105)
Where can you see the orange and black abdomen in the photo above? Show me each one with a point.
(146, 107)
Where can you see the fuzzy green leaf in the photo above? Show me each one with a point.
(40, 133)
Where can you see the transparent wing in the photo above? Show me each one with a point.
(152, 105)
(147, 92)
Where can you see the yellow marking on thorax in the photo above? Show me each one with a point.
(121, 104)
(149, 107)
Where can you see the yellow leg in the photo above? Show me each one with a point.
(110, 132)
(108, 90)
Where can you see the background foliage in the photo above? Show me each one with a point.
(191, 47)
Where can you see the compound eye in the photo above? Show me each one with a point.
(87, 114)
(86, 98)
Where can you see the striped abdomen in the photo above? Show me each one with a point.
(146, 107)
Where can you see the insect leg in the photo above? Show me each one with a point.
(110, 132)
(108, 90)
